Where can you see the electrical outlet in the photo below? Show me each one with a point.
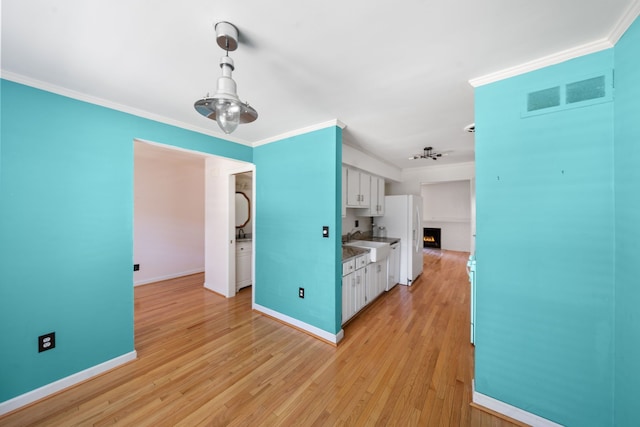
(136, 267)
(301, 292)
(46, 342)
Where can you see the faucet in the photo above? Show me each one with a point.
(352, 234)
(241, 234)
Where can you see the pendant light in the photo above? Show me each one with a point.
(224, 106)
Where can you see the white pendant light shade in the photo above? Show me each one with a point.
(224, 106)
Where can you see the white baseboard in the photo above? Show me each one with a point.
(167, 277)
(56, 386)
(510, 411)
(322, 334)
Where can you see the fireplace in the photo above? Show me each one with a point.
(431, 238)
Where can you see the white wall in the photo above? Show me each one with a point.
(412, 179)
(349, 222)
(361, 160)
(220, 241)
(447, 201)
(168, 215)
(457, 234)
(447, 205)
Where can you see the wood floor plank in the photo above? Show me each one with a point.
(205, 360)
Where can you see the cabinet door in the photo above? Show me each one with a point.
(243, 265)
(365, 189)
(373, 202)
(376, 198)
(379, 278)
(383, 276)
(360, 289)
(380, 194)
(353, 188)
(370, 284)
(348, 287)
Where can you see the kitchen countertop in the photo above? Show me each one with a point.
(245, 238)
(349, 252)
(389, 240)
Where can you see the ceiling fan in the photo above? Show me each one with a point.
(428, 153)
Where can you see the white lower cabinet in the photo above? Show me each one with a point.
(243, 264)
(355, 273)
(348, 284)
(362, 282)
(359, 291)
(380, 278)
(372, 283)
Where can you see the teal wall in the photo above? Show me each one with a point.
(66, 241)
(627, 195)
(298, 190)
(545, 249)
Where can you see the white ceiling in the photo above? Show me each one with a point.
(395, 72)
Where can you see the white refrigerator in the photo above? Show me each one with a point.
(403, 218)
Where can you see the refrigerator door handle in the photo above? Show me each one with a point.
(417, 224)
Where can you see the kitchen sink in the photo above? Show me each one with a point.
(377, 250)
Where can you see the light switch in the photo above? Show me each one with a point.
(325, 231)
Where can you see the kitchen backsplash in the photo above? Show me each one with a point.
(348, 223)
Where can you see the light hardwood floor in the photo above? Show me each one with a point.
(405, 360)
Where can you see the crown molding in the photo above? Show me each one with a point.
(69, 93)
(625, 21)
(419, 169)
(623, 24)
(543, 62)
(372, 155)
(300, 131)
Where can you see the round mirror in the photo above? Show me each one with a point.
(243, 209)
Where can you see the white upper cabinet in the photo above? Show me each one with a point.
(376, 198)
(358, 189)
(376, 207)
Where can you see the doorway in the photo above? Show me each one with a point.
(244, 200)
(184, 215)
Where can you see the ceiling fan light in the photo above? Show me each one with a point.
(427, 153)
